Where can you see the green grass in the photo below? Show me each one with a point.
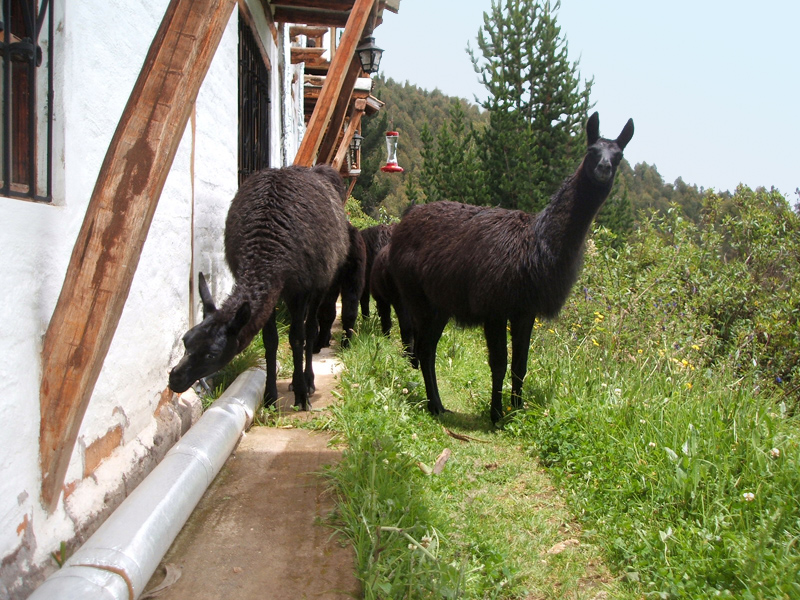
(481, 528)
(668, 480)
(688, 480)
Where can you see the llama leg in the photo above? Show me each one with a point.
(349, 313)
(406, 332)
(299, 309)
(495, 332)
(520, 343)
(326, 315)
(311, 334)
(385, 314)
(270, 335)
(365, 296)
(426, 337)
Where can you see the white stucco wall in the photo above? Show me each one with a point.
(100, 50)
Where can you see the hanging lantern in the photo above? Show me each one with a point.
(355, 143)
(391, 165)
(355, 148)
(370, 55)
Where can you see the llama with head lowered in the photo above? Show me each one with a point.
(285, 238)
(498, 268)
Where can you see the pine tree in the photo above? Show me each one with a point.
(429, 170)
(536, 105)
(451, 168)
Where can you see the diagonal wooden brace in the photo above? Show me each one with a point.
(117, 220)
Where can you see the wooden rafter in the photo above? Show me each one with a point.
(328, 144)
(337, 5)
(334, 82)
(312, 56)
(114, 230)
(247, 15)
(325, 18)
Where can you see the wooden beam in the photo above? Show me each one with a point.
(115, 227)
(340, 65)
(352, 127)
(328, 145)
(312, 56)
(340, 5)
(270, 18)
(309, 32)
(323, 18)
(247, 15)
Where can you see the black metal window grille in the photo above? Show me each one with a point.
(26, 163)
(253, 105)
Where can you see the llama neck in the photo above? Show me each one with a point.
(262, 300)
(561, 228)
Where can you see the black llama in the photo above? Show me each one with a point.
(349, 283)
(491, 266)
(285, 237)
(386, 295)
(376, 238)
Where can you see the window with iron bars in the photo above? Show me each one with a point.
(253, 105)
(26, 93)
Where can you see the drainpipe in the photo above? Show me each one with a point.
(117, 562)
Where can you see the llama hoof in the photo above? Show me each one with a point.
(437, 410)
(497, 416)
(302, 405)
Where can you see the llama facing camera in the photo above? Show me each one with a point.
(496, 267)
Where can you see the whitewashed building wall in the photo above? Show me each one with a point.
(132, 420)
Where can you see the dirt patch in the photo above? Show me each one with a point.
(258, 531)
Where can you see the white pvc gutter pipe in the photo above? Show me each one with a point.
(117, 562)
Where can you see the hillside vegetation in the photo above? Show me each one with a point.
(411, 110)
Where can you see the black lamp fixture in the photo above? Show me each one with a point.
(355, 143)
(369, 55)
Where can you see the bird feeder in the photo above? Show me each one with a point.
(391, 165)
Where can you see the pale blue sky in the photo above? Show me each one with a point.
(713, 87)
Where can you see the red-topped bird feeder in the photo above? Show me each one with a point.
(391, 165)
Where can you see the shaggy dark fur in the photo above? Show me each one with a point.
(349, 283)
(285, 237)
(386, 295)
(375, 238)
(491, 266)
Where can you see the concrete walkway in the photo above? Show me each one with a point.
(258, 531)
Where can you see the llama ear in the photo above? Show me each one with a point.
(626, 135)
(205, 296)
(240, 319)
(593, 129)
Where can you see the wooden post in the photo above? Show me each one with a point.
(356, 22)
(352, 127)
(115, 227)
(327, 146)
